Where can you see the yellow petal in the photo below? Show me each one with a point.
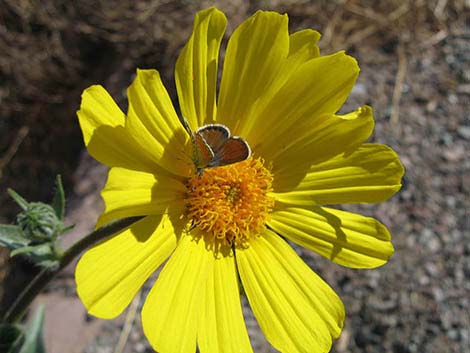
(372, 173)
(315, 90)
(102, 124)
(196, 68)
(173, 307)
(296, 309)
(109, 275)
(98, 108)
(131, 193)
(303, 46)
(153, 123)
(346, 238)
(222, 328)
(314, 141)
(255, 53)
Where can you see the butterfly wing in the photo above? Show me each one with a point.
(214, 134)
(233, 150)
(202, 152)
(213, 146)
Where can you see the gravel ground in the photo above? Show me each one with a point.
(415, 72)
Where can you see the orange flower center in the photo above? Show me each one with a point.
(230, 204)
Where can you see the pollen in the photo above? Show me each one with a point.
(230, 204)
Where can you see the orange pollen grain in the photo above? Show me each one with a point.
(230, 203)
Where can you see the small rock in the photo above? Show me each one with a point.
(431, 269)
(464, 131)
(464, 88)
(139, 347)
(438, 294)
(453, 335)
(452, 98)
(359, 89)
(454, 153)
(343, 341)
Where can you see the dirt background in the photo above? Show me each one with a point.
(415, 61)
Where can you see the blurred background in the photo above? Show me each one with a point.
(415, 73)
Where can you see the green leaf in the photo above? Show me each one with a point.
(41, 249)
(34, 342)
(18, 199)
(43, 255)
(12, 237)
(58, 202)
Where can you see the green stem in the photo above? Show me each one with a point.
(16, 311)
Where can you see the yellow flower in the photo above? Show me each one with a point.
(224, 227)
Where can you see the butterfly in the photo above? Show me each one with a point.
(214, 147)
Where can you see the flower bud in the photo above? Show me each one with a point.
(39, 222)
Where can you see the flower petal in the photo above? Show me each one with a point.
(196, 68)
(346, 238)
(131, 193)
(222, 327)
(318, 88)
(109, 274)
(172, 309)
(255, 53)
(303, 46)
(296, 309)
(102, 124)
(153, 123)
(98, 108)
(371, 173)
(314, 141)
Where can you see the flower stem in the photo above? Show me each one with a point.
(16, 311)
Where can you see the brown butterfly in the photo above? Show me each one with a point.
(214, 147)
